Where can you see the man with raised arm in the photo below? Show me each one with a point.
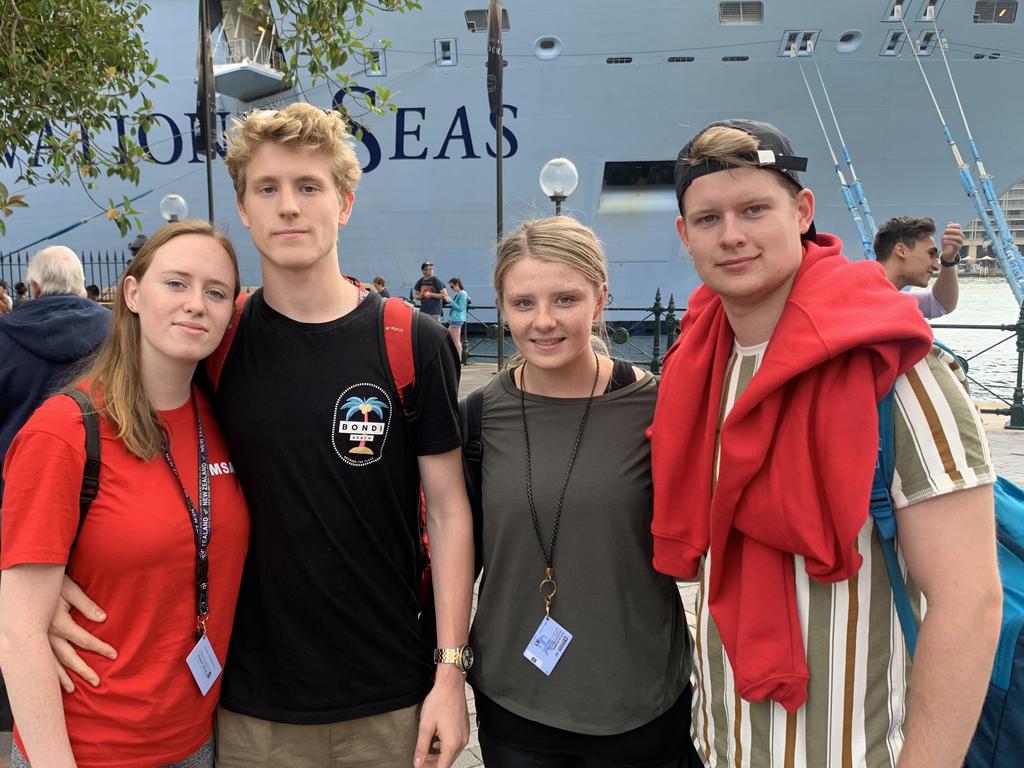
(764, 446)
(905, 246)
(327, 666)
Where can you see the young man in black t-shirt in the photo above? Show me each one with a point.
(327, 665)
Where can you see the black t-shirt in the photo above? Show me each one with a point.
(326, 627)
(434, 284)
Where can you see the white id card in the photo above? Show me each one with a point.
(547, 645)
(202, 661)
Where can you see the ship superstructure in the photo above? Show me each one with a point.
(616, 87)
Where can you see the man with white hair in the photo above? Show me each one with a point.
(41, 343)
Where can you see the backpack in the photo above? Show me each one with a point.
(999, 739)
(91, 472)
(471, 410)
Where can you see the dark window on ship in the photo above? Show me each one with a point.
(445, 53)
(1002, 12)
(640, 173)
(619, 60)
(680, 59)
(741, 13)
(376, 64)
(476, 21)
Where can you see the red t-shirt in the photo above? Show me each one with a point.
(136, 558)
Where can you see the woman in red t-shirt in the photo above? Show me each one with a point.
(168, 509)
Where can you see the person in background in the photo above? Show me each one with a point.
(563, 441)
(163, 462)
(457, 312)
(92, 292)
(430, 291)
(905, 246)
(42, 342)
(380, 287)
(6, 302)
(20, 294)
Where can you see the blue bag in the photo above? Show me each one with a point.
(999, 739)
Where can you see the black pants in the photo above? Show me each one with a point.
(510, 741)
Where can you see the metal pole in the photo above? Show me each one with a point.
(657, 310)
(1017, 408)
(499, 151)
(671, 325)
(209, 110)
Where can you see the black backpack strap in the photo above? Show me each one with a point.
(91, 473)
(471, 410)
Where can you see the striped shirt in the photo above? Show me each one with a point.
(859, 669)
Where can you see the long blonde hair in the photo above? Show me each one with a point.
(557, 240)
(113, 378)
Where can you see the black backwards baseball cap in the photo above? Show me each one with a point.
(774, 152)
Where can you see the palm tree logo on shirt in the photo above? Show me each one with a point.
(365, 406)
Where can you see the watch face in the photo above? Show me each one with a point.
(467, 658)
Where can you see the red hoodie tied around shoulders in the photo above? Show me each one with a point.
(797, 455)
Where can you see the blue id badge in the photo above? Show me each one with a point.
(202, 661)
(547, 645)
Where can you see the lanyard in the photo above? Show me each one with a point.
(548, 581)
(202, 526)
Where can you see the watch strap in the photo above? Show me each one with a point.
(448, 656)
(948, 264)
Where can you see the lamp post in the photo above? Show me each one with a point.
(173, 208)
(558, 180)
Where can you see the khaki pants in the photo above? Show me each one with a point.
(379, 741)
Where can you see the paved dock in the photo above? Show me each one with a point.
(1007, 453)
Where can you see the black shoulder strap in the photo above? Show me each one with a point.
(91, 473)
(471, 410)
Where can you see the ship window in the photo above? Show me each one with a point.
(803, 39)
(930, 10)
(376, 63)
(893, 44)
(926, 43)
(547, 48)
(895, 8)
(619, 60)
(741, 13)
(1002, 12)
(446, 53)
(640, 173)
(850, 41)
(680, 59)
(476, 21)
(735, 58)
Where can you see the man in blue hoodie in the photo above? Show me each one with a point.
(41, 343)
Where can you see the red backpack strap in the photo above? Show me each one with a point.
(399, 324)
(215, 362)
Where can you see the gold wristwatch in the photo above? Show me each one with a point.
(460, 657)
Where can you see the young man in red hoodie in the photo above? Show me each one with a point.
(764, 446)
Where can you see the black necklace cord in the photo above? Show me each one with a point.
(549, 552)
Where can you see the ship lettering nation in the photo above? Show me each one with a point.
(164, 142)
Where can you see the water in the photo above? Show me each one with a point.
(983, 301)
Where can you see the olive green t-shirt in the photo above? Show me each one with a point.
(629, 658)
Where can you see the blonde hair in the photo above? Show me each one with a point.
(114, 376)
(556, 240)
(298, 126)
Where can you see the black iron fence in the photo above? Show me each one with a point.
(1014, 407)
(645, 340)
(102, 268)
